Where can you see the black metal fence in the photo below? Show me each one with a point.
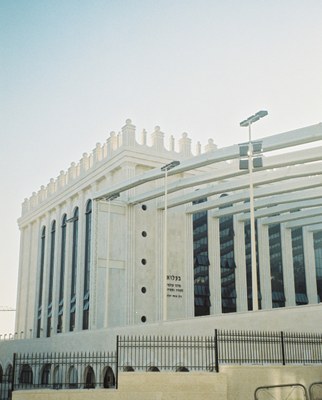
(252, 347)
(160, 353)
(157, 353)
(65, 370)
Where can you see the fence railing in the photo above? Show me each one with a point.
(157, 353)
(252, 347)
(160, 353)
(65, 370)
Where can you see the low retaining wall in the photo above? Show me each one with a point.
(232, 383)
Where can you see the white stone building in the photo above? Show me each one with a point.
(94, 240)
(121, 245)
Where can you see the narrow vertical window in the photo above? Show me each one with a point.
(87, 263)
(227, 265)
(74, 272)
(276, 264)
(299, 267)
(41, 277)
(62, 275)
(247, 232)
(201, 262)
(227, 261)
(51, 277)
(317, 240)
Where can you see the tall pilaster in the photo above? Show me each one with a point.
(80, 263)
(240, 260)
(189, 311)
(264, 265)
(68, 267)
(288, 270)
(47, 223)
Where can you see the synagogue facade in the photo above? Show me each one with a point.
(142, 232)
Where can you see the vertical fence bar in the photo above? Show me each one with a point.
(117, 363)
(216, 351)
(13, 372)
(283, 348)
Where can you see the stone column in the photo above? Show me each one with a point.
(80, 263)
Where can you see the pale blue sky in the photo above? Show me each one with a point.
(72, 71)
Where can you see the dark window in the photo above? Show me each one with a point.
(9, 373)
(41, 278)
(57, 381)
(87, 264)
(74, 272)
(182, 369)
(276, 265)
(299, 267)
(45, 375)
(249, 265)
(201, 262)
(62, 275)
(26, 376)
(72, 378)
(51, 276)
(128, 368)
(109, 378)
(153, 369)
(89, 378)
(317, 239)
(227, 263)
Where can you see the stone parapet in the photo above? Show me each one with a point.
(103, 153)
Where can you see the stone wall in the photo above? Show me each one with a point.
(231, 383)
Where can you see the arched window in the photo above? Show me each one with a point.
(51, 276)
(87, 264)
(74, 271)
(8, 373)
(41, 277)
(62, 274)
(72, 378)
(57, 381)
(153, 369)
(89, 378)
(45, 375)
(109, 378)
(182, 369)
(128, 368)
(26, 375)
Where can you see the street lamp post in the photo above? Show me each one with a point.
(166, 168)
(248, 123)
